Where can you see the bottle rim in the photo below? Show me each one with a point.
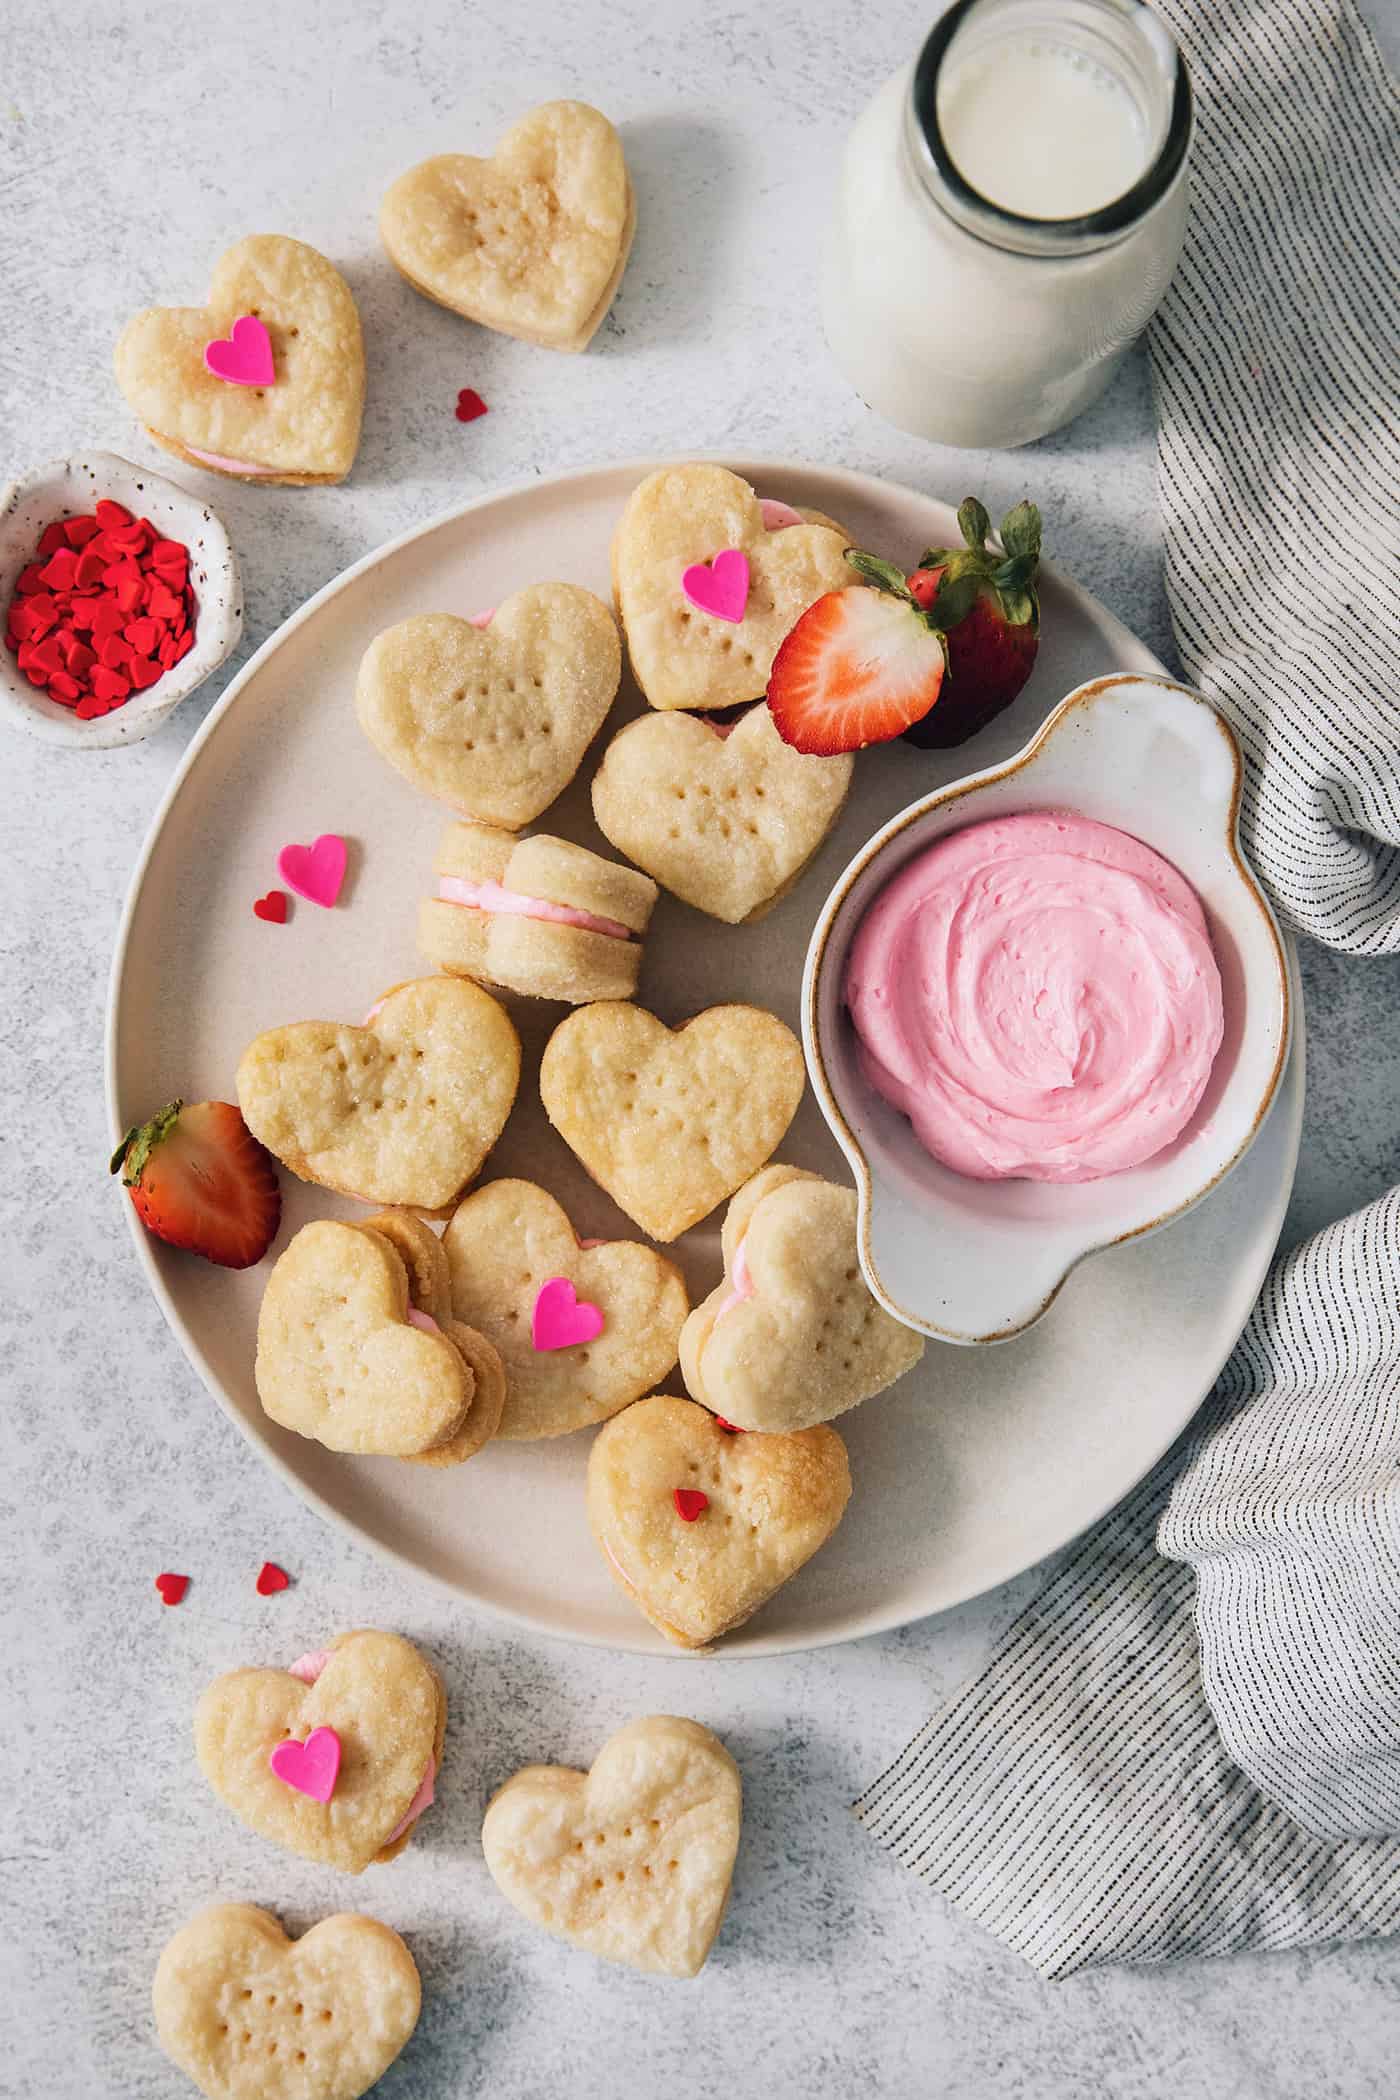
(994, 222)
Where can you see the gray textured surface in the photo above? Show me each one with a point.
(125, 168)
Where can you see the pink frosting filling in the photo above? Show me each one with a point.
(777, 515)
(740, 1284)
(1038, 994)
(482, 619)
(308, 1668)
(423, 1320)
(586, 1244)
(226, 465)
(489, 896)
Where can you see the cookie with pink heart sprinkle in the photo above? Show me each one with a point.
(709, 578)
(582, 1329)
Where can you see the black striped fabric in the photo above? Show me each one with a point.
(1079, 1799)
(1196, 1750)
(1276, 373)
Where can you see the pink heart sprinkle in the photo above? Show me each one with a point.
(315, 872)
(311, 1767)
(562, 1318)
(244, 356)
(777, 516)
(720, 587)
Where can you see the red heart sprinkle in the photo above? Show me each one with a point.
(52, 538)
(63, 687)
(729, 1428)
(111, 514)
(78, 531)
(469, 405)
(30, 579)
(172, 1587)
(271, 1578)
(109, 686)
(58, 570)
(88, 710)
(690, 1502)
(273, 908)
(163, 602)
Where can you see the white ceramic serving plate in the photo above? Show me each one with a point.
(972, 1468)
(979, 1261)
(65, 487)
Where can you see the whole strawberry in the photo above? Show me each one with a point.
(200, 1179)
(987, 606)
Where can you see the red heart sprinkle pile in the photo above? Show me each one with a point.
(103, 610)
(729, 1428)
(272, 907)
(469, 405)
(690, 1502)
(271, 1578)
(172, 1587)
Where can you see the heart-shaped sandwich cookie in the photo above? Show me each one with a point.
(387, 1711)
(402, 1110)
(250, 2015)
(345, 1357)
(700, 1525)
(792, 1336)
(532, 242)
(671, 1122)
(726, 821)
(506, 1244)
(688, 648)
(493, 719)
(265, 383)
(536, 915)
(631, 1860)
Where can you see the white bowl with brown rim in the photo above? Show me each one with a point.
(978, 1261)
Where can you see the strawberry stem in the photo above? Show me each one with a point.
(140, 1142)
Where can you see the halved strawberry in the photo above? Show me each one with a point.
(200, 1179)
(860, 665)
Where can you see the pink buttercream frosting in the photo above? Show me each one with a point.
(482, 619)
(424, 1320)
(308, 1668)
(1038, 994)
(490, 896)
(777, 515)
(226, 465)
(740, 1284)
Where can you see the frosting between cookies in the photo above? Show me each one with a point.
(423, 1320)
(228, 466)
(491, 897)
(1038, 994)
(741, 1285)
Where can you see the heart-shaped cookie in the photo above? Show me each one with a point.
(493, 720)
(250, 2015)
(341, 1359)
(700, 1525)
(681, 518)
(631, 1860)
(532, 242)
(506, 1242)
(386, 1707)
(671, 1122)
(791, 1336)
(402, 1111)
(304, 425)
(725, 822)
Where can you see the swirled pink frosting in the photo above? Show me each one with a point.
(1039, 996)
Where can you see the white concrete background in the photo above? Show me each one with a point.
(137, 140)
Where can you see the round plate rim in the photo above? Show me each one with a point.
(872, 488)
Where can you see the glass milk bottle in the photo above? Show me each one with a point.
(1009, 213)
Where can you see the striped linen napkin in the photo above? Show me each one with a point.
(1196, 1749)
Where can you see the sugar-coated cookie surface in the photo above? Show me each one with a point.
(682, 516)
(792, 1336)
(670, 1122)
(727, 823)
(302, 427)
(531, 242)
(769, 1502)
(389, 1710)
(249, 2014)
(493, 720)
(538, 915)
(505, 1242)
(338, 1358)
(631, 1860)
(402, 1111)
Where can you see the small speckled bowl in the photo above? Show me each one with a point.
(979, 1261)
(65, 487)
